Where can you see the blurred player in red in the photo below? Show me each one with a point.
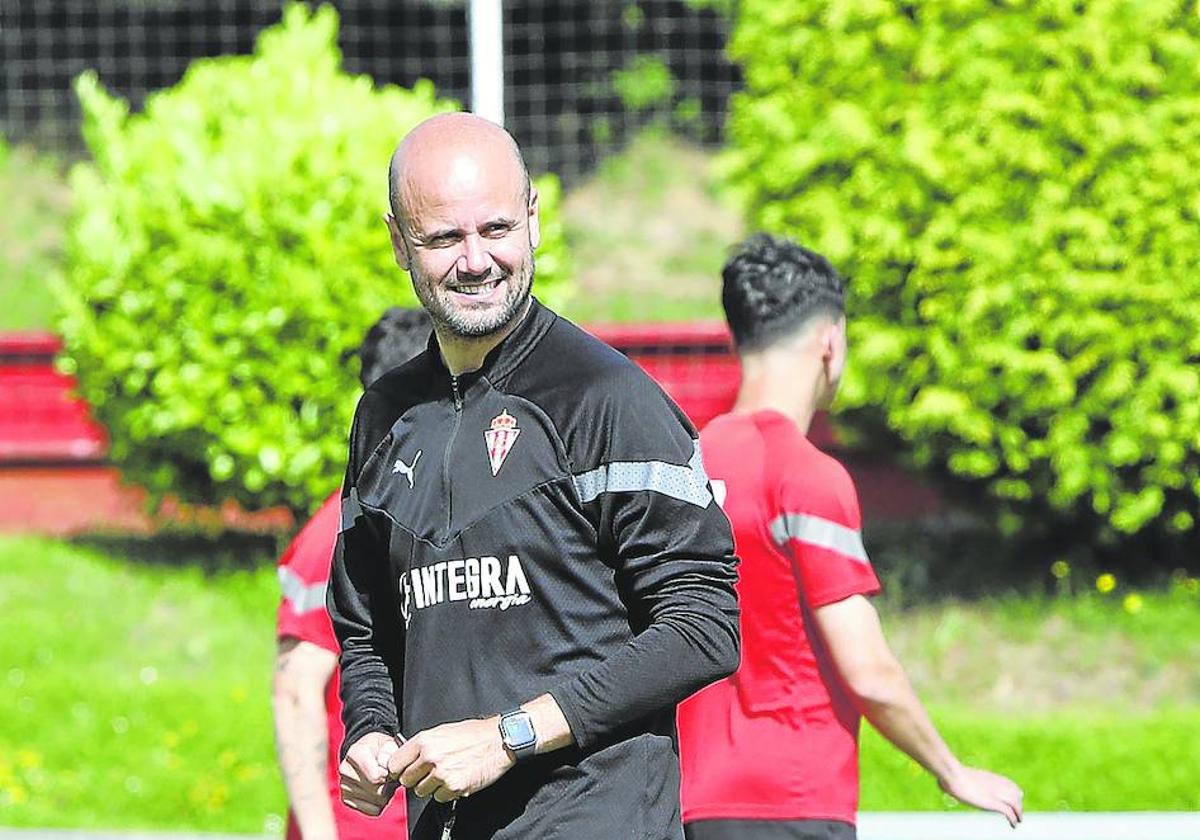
(772, 751)
(308, 713)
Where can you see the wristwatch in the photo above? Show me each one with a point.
(516, 732)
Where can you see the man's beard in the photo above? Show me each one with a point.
(467, 323)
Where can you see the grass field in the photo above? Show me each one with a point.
(648, 234)
(138, 696)
(1100, 759)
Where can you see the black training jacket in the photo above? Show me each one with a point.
(543, 524)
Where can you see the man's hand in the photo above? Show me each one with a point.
(987, 790)
(365, 784)
(453, 760)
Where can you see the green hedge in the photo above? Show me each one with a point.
(228, 254)
(1014, 188)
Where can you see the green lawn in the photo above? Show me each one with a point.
(136, 696)
(1071, 760)
(1089, 701)
(649, 232)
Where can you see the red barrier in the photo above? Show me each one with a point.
(52, 449)
(695, 364)
(41, 419)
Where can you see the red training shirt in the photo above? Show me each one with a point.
(303, 577)
(778, 740)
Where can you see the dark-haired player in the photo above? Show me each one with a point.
(772, 751)
(308, 713)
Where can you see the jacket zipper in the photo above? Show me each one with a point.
(458, 407)
(448, 825)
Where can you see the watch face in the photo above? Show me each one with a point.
(518, 731)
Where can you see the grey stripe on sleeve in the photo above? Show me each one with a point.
(351, 510)
(687, 483)
(303, 597)
(819, 532)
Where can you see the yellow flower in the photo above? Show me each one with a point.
(247, 772)
(1106, 583)
(1133, 603)
(1060, 569)
(218, 797)
(1192, 585)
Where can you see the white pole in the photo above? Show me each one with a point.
(485, 18)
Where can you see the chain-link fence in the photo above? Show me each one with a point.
(580, 75)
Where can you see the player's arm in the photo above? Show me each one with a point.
(671, 548)
(457, 759)
(302, 671)
(882, 692)
(370, 635)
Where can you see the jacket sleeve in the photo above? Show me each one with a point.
(672, 552)
(362, 610)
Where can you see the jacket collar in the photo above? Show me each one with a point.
(506, 356)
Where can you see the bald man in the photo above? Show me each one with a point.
(532, 571)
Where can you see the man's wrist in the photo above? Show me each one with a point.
(493, 725)
(549, 723)
(518, 733)
(949, 772)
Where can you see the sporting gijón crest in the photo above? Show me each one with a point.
(500, 439)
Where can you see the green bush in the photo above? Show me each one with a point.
(228, 254)
(1014, 188)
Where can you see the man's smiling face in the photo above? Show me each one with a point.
(467, 230)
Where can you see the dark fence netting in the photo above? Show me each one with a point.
(580, 76)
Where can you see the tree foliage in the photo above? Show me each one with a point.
(226, 257)
(1014, 188)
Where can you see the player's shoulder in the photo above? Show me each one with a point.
(811, 480)
(734, 428)
(820, 466)
(735, 445)
(310, 550)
